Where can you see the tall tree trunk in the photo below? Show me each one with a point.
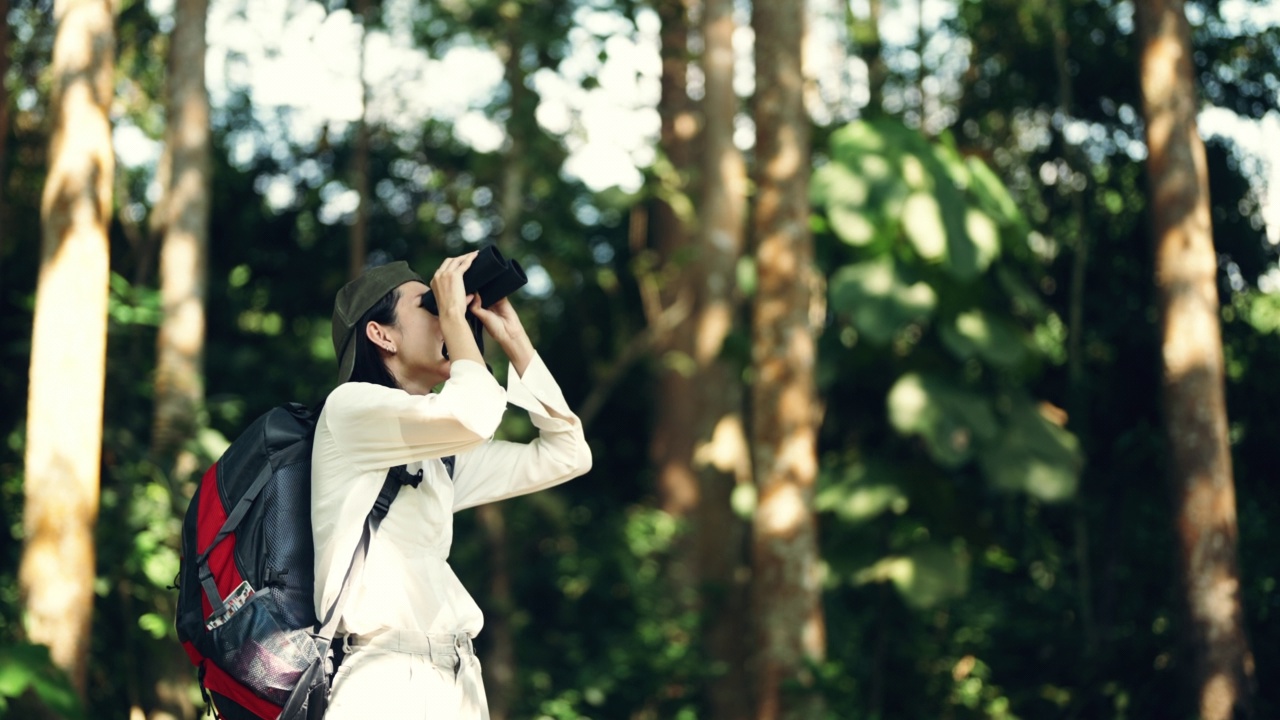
(181, 219)
(921, 71)
(522, 107)
(673, 434)
(722, 457)
(1077, 394)
(69, 341)
(4, 132)
(1191, 352)
(183, 256)
(359, 245)
(500, 662)
(866, 38)
(786, 584)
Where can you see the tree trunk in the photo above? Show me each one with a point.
(1077, 393)
(183, 256)
(673, 434)
(4, 133)
(522, 109)
(500, 662)
(786, 413)
(721, 458)
(1192, 364)
(68, 345)
(4, 122)
(866, 38)
(359, 245)
(921, 70)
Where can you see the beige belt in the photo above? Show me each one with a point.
(414, 642)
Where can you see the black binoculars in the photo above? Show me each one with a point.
(491, 275)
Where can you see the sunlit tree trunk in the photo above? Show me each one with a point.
(673, 433)
(359, 242)
(786, 582)
(722, 457)
(500, 662)
(1192, 363)
(670, 286)
(865, 32)
(68, 344)
(183, 256)
(182, 217)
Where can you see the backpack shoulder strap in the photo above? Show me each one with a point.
(396, 477)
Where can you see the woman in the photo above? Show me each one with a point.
(407, 619)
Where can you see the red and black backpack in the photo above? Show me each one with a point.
(245, 612)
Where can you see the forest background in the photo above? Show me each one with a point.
(872, 312)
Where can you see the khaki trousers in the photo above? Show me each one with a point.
(400, 675)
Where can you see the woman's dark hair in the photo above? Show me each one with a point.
(369, 366)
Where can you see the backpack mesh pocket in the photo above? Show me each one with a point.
(252, 647)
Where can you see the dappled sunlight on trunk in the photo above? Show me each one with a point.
(68, 347)
(1192, 362)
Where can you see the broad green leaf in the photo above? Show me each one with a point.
(1025, 300)
(992, 195)
(983, 233)
(26, 666)
(979, 333)
(1262, 311)
(878, 299)
(845, 195)
(924, 226)
(949, 419)
(1033, 455)
(926, 576)
(15, 675)
(862, 492)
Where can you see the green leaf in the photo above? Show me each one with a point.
(862, 493)
(984, 236)
(924, 226)
(949, 419)
(154, 624)
(878, 299)
(926, 576)
(844, 195)
(992, 195)
(979, 333)
(26, 666)
(1033, 455)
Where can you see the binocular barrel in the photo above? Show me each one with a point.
(491, 275)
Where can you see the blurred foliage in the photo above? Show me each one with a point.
(996, 534)
(27, 670)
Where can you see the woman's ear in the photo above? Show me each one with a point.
(380, 336)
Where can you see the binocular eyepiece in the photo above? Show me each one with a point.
(491, 275)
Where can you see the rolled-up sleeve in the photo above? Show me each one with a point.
(379, 427)
(497, 470)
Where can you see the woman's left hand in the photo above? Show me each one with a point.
(504, 326)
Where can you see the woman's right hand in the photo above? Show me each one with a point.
(451, 296)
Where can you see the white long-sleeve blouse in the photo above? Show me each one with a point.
(366, 429)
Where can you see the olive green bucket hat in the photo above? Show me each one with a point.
(354, 300)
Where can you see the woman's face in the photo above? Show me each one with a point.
(419, 362)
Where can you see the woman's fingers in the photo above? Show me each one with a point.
(456, 265)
